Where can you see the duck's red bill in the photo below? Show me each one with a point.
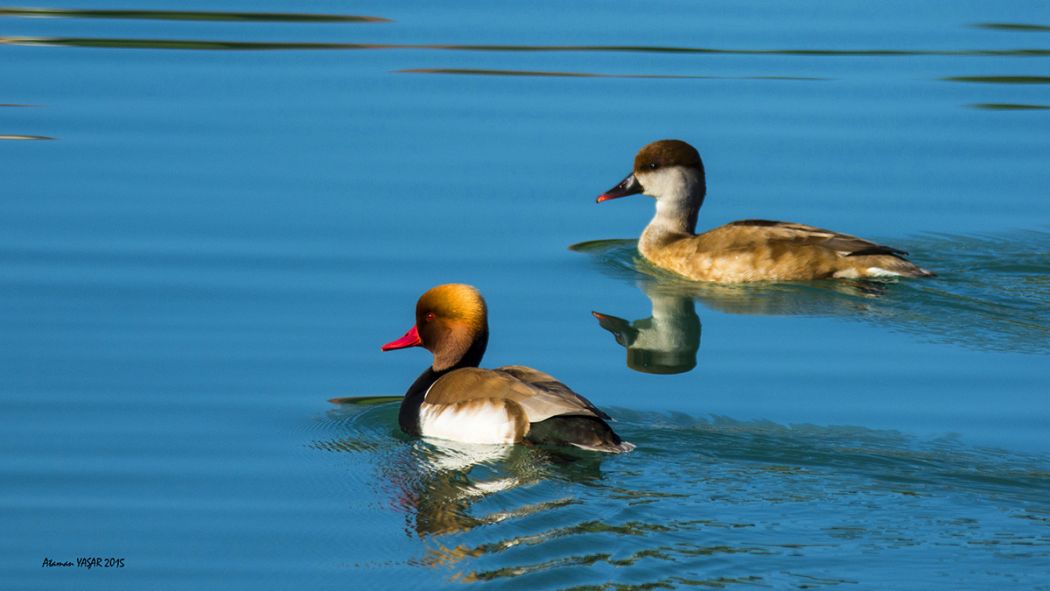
(411, 339)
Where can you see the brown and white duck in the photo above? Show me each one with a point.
(455, 400)
(747, 250)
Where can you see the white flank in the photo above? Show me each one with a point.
(880, 272)
(847, 274)
(476, 424)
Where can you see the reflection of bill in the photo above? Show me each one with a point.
(665, 343)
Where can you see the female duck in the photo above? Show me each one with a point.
(748, 250)
(454, 399)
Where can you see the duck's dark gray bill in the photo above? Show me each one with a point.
(628, 186)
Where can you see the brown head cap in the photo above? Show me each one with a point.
(666, 153)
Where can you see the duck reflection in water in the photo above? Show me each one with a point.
(667, 341)
(436, 483)
(983, 281)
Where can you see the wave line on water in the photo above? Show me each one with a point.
(16, 137)
(1000, 79)
(1016, 27)
(191, 44)
(1010, 107)
(556, 74)
(749, 496)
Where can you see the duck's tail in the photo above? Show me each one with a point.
(875, 266)
(920, 272)
(614, 448)
(585, 432)
(901, 269)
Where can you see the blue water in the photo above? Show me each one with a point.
(210, 222)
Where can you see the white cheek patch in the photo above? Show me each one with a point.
(676, 189)
(672, 184)
(469, 423)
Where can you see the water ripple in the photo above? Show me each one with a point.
(722, 502)
(995, 287)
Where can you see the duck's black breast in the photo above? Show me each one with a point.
(408, 415)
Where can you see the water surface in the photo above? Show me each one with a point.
(214, 215)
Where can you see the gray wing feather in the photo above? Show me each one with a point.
(843, 244)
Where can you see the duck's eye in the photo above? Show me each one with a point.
(428, 316)
(651, 166)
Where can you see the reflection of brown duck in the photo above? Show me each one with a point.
(665, 343)
(748, 250)
(454, 399)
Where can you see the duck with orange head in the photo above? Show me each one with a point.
(454, 399)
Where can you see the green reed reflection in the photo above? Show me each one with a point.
(1025, 27)
(180, 15)
(1001, 79)
(125, 43)
(1010, 107)
(550, 74)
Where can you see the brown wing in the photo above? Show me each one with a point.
(803, 235)
(547, 383)
(539, 394)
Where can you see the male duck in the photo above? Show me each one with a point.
(747, 250)
(454, 399)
